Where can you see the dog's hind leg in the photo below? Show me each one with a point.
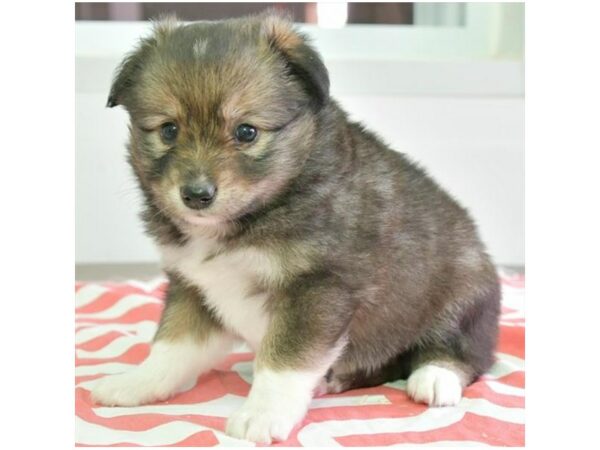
(438, 366)
(442, 367)
(438, 382)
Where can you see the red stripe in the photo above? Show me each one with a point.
(512, 341)
(99, 342)
(482, 390)
(471, 428)
(134, 355)
(147, 311)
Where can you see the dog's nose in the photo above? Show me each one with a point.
(198, 195)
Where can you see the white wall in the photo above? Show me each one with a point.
(468, 132)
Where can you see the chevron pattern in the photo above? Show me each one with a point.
(116, 321)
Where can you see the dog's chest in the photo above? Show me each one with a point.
(228, 281)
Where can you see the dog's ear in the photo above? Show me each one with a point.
(302, 60)
(124, 77)
(127, 72)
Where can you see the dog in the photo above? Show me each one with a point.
(283, 224)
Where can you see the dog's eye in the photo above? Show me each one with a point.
(168, 132)
(245, 133)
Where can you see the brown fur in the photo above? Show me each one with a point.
(370, 250)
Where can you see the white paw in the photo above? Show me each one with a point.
(262, 424)
(130, 389)
(435, 386)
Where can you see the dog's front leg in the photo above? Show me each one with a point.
(305, 336)
(189, 341)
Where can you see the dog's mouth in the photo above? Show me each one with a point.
(194, 219)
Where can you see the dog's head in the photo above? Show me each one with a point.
(222, 113)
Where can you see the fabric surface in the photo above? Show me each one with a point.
(116, 321)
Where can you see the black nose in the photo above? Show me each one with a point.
(198, 195)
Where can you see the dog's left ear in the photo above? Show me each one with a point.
(303, 61)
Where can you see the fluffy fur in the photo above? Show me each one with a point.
(340, 261)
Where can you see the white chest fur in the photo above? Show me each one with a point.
(227, 281)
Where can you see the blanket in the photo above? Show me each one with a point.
(115, 323)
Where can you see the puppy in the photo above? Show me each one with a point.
(284, 224)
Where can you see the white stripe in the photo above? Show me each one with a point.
(87, 385)
(360, 400)
(506, 389)
(245, 370)
(483, 407)
(220, 407)
(90, 384)
(512, 324)
(323, 433)
(88, 293)
(504, 365)
(121, 307)
(145, 329)
(398, 384)
(513, 315)
(113, 349)
(147, 286)
(225, 406)
(444, 444)
(100, 369)
(166, 434)
(242, 347)
(513, 298)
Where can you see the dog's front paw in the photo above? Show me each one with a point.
(128, 389)
(262, 424)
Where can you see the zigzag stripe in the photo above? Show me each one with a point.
(102, 369)
(144, 329)
(113, 349)
(167, 434)
(121, 307)
(502, 388)
(323, 433)
(445, 444)
(148, 286)
(228, 404)
(88, 294)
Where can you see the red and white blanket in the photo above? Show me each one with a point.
(116, 322)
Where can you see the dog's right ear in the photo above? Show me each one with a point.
(124, 78)
(128, 71)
